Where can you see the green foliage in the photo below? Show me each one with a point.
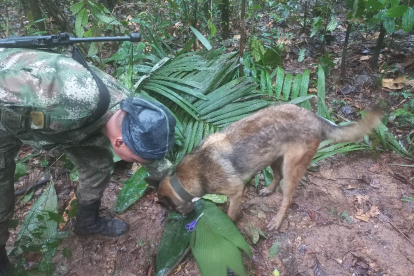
(39, 233)
(408, 199)
(21, 170)
(301, 56)
(404, 117)
(100, 19)
(274, 249)
(345, 216)
(202, 39)
(255, 233)
(174, 243)
(215, 243)
(408, 20)
(216, 198)
(326, 150)
(132, 190)
(388, 141)
(74, 174)
(396, 11)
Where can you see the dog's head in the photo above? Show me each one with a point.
(167, 197)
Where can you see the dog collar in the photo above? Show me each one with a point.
(179, 189)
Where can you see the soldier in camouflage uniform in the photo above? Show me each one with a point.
(45, 100)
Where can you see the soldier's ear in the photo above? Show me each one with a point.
(153, 182)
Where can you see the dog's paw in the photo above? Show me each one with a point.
(265, 192)
(274, 224)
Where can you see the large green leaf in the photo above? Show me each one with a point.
(77, 7)
(216, 243)
(174, 243)
(389, 24)
(21, 170)
(202, 39)
(296, 86)
(322, 109)
(286, 86)
(279, 81)
(37, 216)
(408, 20)
(396, 11)
(216, 198)
(304, 89)
(132, 190)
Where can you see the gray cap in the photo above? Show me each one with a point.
(148, 128)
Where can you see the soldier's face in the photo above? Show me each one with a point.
(126, 154)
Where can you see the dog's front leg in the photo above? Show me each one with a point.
(235, 202)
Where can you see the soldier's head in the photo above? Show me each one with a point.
(142, 130)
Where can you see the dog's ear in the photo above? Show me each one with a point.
(153, 182)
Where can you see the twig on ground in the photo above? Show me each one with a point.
(389, 221)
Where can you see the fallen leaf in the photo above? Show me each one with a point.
(374, 211)
(261, 214)
(408, 60)
(312, 90)
(327, 174)
(318, 217)
(276, 272)
(375, 183)
(350, 187)
(362, 217)
(361, 199)
(318, 269)
(364, 58)
(397, 83)
(274, 249)
(255, 233)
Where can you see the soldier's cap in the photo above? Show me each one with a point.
(148, 128)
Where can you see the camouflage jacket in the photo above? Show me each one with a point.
(61, 90)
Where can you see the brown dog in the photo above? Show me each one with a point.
(286, 137)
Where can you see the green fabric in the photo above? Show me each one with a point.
(59, 87)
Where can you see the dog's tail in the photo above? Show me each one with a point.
(352, 132)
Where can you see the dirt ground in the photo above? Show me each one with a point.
(377, 238)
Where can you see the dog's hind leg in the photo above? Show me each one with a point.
(296, 162)
(277, 176)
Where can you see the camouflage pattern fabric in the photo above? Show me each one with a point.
(59, 87)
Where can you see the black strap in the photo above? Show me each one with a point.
(178, 188)
(104, 96)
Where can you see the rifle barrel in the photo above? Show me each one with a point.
(58, 40)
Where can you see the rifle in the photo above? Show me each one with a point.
(61, 39)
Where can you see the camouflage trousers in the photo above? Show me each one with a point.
(94, 164)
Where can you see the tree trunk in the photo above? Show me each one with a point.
(54, 11)
(194, 23)
(37, 14)
(344, 50)
(225, 18)
(377, 50)
(242, 33)
(206, 9)
(304, 16)
(110, 4)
